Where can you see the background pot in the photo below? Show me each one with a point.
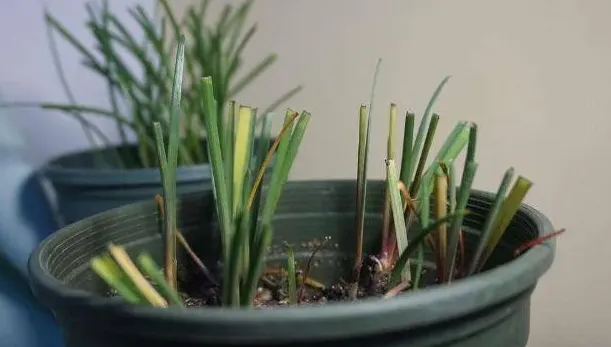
(83, 189)
(489, 309)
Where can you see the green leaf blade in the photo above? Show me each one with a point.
(452, 147)
(488, 224)
(105, 267)
(175, 106)
(397, 210)
(407, 155)
(418, 177)
(149, 268)
(422, 130)
(283, 167)
(456, 225)
(403, 261)
(242, 154)
(262, 242)
(265, 138)
(279, 158)
(219, 179)
(292, 275)
(509, 208)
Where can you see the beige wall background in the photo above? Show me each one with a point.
(534, 74)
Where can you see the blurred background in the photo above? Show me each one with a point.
(534, 74)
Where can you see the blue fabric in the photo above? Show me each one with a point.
(25, 219)
(25, 214)
(23, 322)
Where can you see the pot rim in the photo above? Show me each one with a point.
(428, 306)
(89, 176)
(121, 177)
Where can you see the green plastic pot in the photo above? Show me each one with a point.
(489, 309)
(83, 189)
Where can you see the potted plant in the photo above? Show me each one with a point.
(417, 259)
(110, 175)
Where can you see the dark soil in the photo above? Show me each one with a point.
(197, 290)
(272, 291)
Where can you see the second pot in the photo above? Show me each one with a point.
(83, 188)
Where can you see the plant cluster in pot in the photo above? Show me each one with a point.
(418, 259)
(110, 175)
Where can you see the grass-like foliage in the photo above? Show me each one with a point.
(245, 237)
(427, 204)
(139, 94)
(238, 165)
(424, 207)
